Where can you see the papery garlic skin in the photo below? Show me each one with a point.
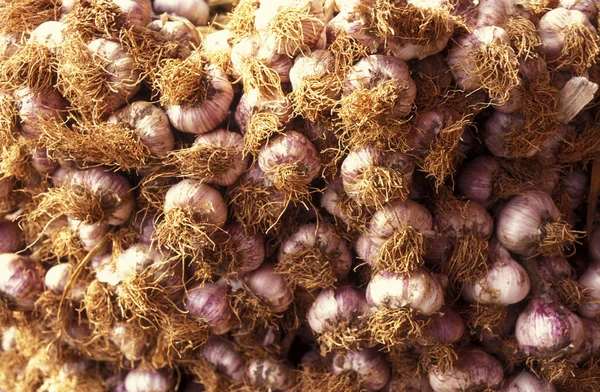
(150, 123)
(11, 237)
(255, 101)
(200, 200)
(332, 307)
(356, 174)
(290, 148)
(446, 326)
(325, 238)
(147, 379)
(223, 356)
(473, 370)
(371, 368)
(270, 287)
(108, 185)
(180, 31)
(271, 374)
(374, 70)
(224, 140)
(196, 11)
(420, 291)
(203, 117)
(553, 27)
(210, 304)
(57, 277)
(20, 282)
(588, 7)
(137, 12)
(476, 179)
(590, 280)
(520, 223)
(121, 73)
(49, 34)
(505, 282)
(527, 382)
(249, 248)
(546, 328)
(250, 50)
(34, 107)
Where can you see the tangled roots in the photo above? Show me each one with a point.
(390, 327)
(402, 253)
(468, 260)
(309, 268)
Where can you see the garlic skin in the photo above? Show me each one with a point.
(108, 185)
(476, 179)
(20, 281)
(325, 238)
(90, 234)
(224, 140)
(249, 248)
(591, 344)
(255, 101)
(271, 374)
(224, 357)
(332, 307)
(526, 382)
(11, 237)
(505, 282)
(494, 13)
(594, 244)
(34, 107)
(57, 277)
(353, 23)
(250, 51)
(473, 370)
(590, 279)
(420, 291)
(371, 368)
(308, 19)
(180, 31)
(9, 44)
(496, 128)
(270, 287)
(141, 259)
(203, 117)
(137, 12)
(290, 148)
(575, 184)
(555, 25)
(210, 304)
(150, 123)
(130, 340)
(196, 11)
(49, 34)
(199, 199)
(446, 326)
(463, 70)
(121, 72)
(398, 215)
(357, 174)
(146, 379)
(374, 70)
(520, 225)
(546, 328)
(41, 162)
(588, 7)
(404, 383)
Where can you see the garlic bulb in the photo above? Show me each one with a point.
(270, 374)
(505, 282)
(210, 304)
(369, 365)
(196, 11)
(11, 237)
(34, 107)
(203, 201)
(293, 26)
(57, 277)
(530, 224)
(588, 7)
(290, 162)
(97, 78)
(474, 370)
(527, 382)
(398, 232)
(314, 256)
(476, 179)
(547, 328)
(377, 71)
(224, 357)
(373, 177)
(130, 339)
(180, 31)
(569, 39)
(485, 60)
(255, 102)
(146, 379)
(150, 123)
(249, 248)
(420, 291)
(49, 34)
(590, 280)
(446, 326)
(265, 283)
(20, 283)
(203, 117)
